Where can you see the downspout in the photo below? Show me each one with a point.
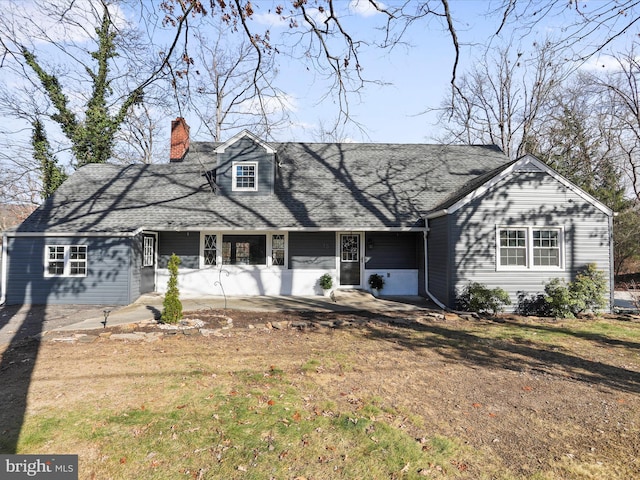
(3, 273)
(612, 267)
(426, 268)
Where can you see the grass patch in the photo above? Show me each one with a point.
(256, 425)
(505, 399)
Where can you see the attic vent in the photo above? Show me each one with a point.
(527, 167)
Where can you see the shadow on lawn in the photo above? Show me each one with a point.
(16, 368)
(458, 345)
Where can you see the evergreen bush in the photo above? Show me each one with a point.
(585, 294)
(326, 282)
(171, 305)
(476, 297)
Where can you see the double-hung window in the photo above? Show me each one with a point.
(65, 261)
(245, 176)
(522, 248)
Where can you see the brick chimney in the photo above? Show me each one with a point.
(179, 139)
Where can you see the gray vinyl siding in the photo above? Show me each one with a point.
(526, 199)
(245, 150)
(184, 244)
(438, 255)
(391, 250)
(136, 267)
(312, 250)
(108, 280)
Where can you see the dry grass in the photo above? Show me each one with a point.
(414, 399)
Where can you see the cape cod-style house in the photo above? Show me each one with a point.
(258, 218)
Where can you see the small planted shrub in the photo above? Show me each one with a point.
(171, 305)
(326, 282)
(376, 281)
(476, 297)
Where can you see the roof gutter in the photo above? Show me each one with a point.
(436, 214)
(3, 272)
(75, 234)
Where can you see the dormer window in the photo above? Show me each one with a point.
(245, 176)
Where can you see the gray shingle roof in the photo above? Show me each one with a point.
(318, 185)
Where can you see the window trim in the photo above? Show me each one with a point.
(529, 266)
(234, 184)
(67, 260)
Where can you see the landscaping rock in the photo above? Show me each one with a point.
(87, 338)
(135, 337)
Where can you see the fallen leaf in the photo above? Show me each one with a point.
(180, 407)
(271, 403)
(527, 388)
(477, 405)
(123, 460)
(296, 416)
(492, 414)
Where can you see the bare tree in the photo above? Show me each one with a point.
(620, 91)
(500, 101)
(227, 96)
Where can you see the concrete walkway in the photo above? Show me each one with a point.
(148, 307)
(23, 321)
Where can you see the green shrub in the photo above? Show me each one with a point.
(171, 305)
(533, 305)
(326, 282)
(376, 281)
(476, 297)
(585, 294)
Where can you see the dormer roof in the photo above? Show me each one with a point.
(245, 134)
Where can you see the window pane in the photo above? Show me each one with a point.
(277, 250)
(513, 256)
(244, 249)
(546, 248)
(245, 176)
(55, 268)
(277, 257)
(78, 268)
(512, 238)
(56, 253)
(78, 252)
(513, 248)
(210, 250)
(147, 252)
